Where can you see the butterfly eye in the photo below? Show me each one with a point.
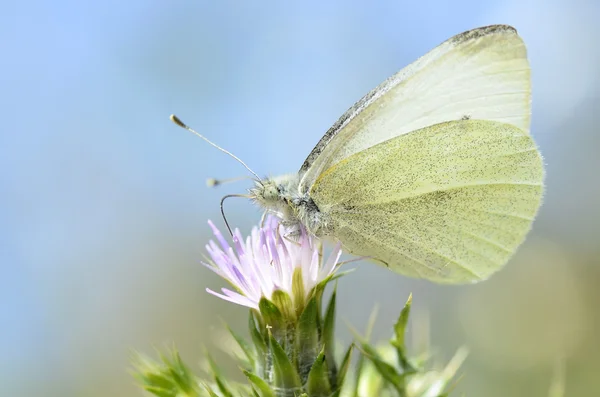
(271, 192)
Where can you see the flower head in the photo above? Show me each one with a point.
(269, 261)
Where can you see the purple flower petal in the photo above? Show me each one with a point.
(265, 262)
(218, 235)
(235, 298)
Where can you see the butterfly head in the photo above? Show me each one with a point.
(273, 194)
(265, 192)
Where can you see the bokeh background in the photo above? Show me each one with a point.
(103, 203)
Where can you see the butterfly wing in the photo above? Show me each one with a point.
(450, 202)
(479, 74)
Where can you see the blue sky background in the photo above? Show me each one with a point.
(103, 204)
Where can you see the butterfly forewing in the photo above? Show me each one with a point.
(479, 74)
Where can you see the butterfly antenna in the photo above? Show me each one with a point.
(223, 211)
(212, 182)
(180, 123)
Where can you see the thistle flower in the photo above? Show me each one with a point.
(291, 350)
(282, 279)
(269, 263)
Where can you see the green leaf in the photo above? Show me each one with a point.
(398, 342)
(218, 377)
(212, 364)
(285, 375)
(318, 378)
(307, 340)
(167, 378)
(331, 277)
(400, 326)
(157, 391)
(150, 373)
(260, 344)
(328, 338)
(274, 320)
(361, 364)
(257, 337)
(209, 389)
(270, 313)
(181, 374)
(344, 366)
(264, 390)
(298, 290)
(283, 302)
(246, 348)
(222, 387)
(386, 370)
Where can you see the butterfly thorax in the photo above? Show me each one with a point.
(281, 196)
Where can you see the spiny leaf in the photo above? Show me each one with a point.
(245, 346)
(307, 341)
(318, 378)
(160, 392)
(222, 387)
(270, 313)
(285, 374)
(211, 393)
(264, 390)
(387, 371)
(398, 341)
(344, 366)
(329, 339)
(361, 364)
(212, 364)
(168, 378)
(218, 377)
(181, 374)
(283, 302)
(400, 326)
(150, 373)
(257, 336)
(331, 277)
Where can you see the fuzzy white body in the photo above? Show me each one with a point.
(282, 196)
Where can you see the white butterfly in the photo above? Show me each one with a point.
(433, 173)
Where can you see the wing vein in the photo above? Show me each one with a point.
(393, 198)
(372, 238)
(425, 248)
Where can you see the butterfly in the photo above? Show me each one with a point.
(433, 173)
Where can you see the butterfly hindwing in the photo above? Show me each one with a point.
(450, 202)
